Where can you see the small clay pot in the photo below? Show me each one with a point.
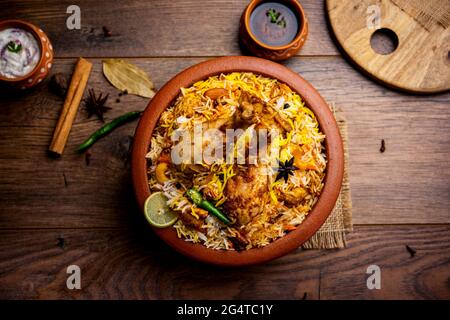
(262, 50)
(333, 144)
(42, 69)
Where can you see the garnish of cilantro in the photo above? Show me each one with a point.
(14, 47)
(275, 17)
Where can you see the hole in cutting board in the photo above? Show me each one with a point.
(384, 41)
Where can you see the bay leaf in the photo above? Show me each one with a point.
(126, 76)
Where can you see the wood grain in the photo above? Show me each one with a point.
(154, 28)
(409, 183)
(131, 263)
(54, 213)
(420, 63)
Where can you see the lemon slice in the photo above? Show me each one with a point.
(157, 211)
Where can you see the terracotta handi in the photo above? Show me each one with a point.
(276, 52)
(333, 145)
(43, 63)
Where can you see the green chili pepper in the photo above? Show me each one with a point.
(197, 199)
(107, 128)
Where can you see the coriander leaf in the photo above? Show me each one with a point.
(282, 23)
(273, 15)
(14, 47)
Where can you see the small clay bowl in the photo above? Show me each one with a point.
(42, 69)
(263, 50)
(334, 152)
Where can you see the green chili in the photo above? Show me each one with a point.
(107, 128)
(197, 199)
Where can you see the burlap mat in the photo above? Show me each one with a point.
(332, 234)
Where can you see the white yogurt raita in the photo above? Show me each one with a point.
(19, 53)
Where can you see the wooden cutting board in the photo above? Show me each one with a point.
(420, 63)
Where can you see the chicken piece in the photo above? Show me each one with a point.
(294, 197)
(202, 213)
(191, 221)
(211, 192)
(267, 121)
(239, 242)
(247, 193)
(220, 123)
(249, 110)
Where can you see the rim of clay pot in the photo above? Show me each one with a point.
(32, 29)
(333, 143)
(293, 4)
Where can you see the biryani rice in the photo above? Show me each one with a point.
(279, 213)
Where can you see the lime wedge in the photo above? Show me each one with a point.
(157, 211)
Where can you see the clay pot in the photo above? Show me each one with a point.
(314, 101)
(262, 50)
(42, 69)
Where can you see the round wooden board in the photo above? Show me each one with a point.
(420, 63)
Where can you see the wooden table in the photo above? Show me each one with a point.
(55, 213)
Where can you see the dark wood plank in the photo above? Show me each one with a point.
(424, 276)
(406, 184)
(133, 264)
(154, 28)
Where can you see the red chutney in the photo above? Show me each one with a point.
(274, 24)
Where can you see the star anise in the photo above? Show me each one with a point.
(96, 104)
(285, 169)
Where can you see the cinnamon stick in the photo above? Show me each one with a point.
(73, 98)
